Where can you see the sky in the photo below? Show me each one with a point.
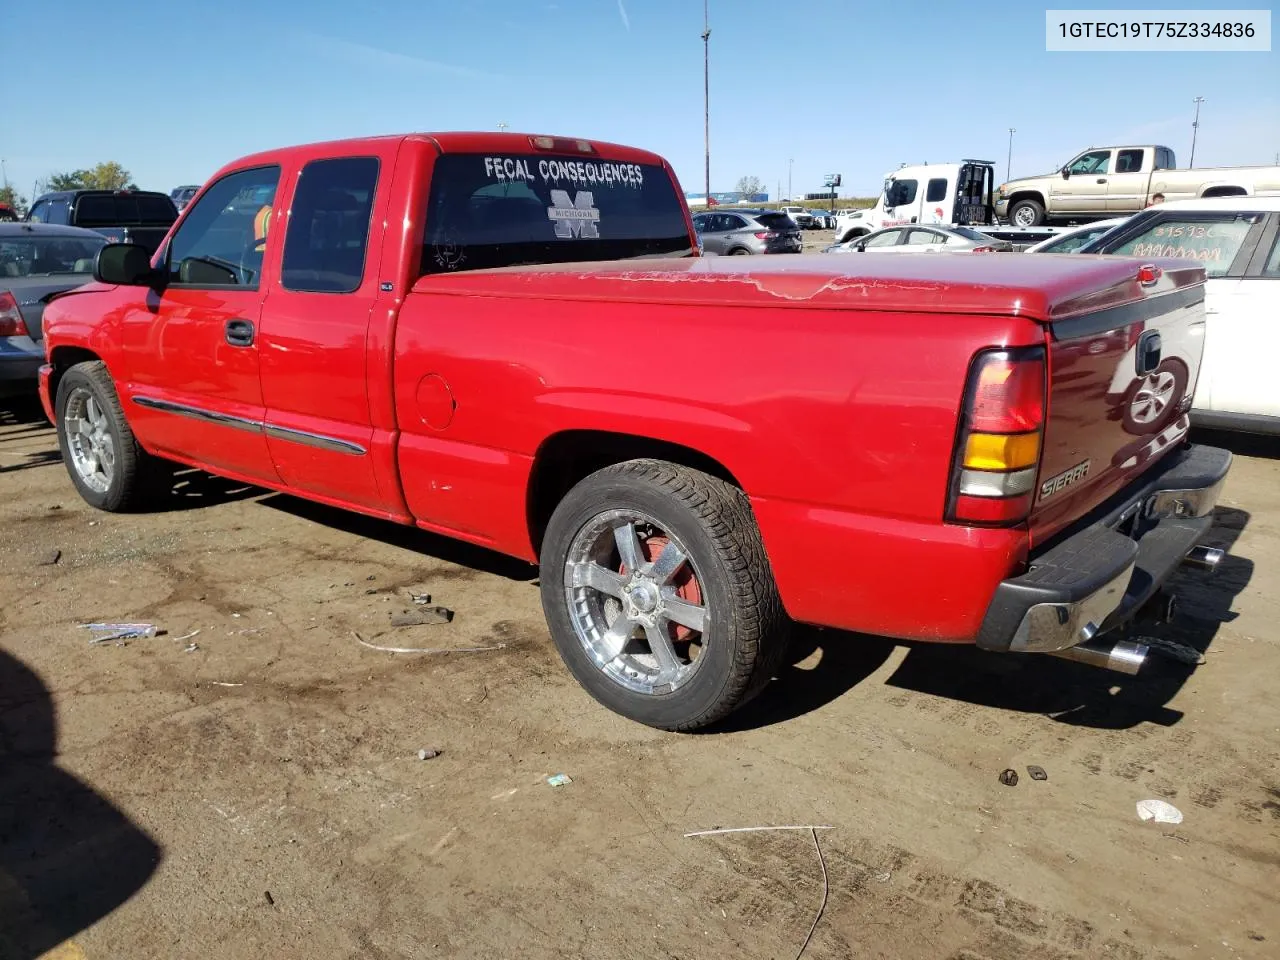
(798, 89)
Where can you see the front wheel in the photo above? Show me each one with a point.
(659, 595)
(1026, 213)
(105, 462)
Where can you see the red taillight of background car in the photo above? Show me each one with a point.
(11, 324)
(984, 250)
(766, 235)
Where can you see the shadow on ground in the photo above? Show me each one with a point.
(407, 538)
(68, 858)
(22, 411)
(1027, 683)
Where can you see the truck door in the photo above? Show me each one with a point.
(901, 202)
(1084, 189)
(939, 199)
(191, 348)
(317, 338)
(1127, 183)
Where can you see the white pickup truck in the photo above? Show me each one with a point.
(942, 194)
(1110, 181)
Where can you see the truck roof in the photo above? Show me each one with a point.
(1048, 287)
(451, 142)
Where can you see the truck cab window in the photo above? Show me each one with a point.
(40, 212)
(1095, 161)
(1129, 161)
(222, 240)
(328, 235)
(937, 191)
(901, 192)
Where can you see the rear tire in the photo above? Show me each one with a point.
(1026, 213)
(609, 618)
(740, 252)
(108, 467)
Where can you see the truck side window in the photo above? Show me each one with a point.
(1129, 161)
(903, 191)
(937, 191)
(1214, 243)
(1164, 158)
(60, 212)
(324, 247)
(222, 240)
(39, 213)
(1272, 267)
(1095, 161)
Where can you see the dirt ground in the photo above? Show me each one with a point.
(255, 791)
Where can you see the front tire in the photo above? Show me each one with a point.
(659, 596)
(101, 454)
(1026, 213)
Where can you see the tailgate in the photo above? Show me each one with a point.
(1121, 379)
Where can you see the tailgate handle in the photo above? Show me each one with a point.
(1148, 353)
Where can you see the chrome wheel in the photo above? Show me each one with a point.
(1153, 397)
(636, 602)
(90, 445)
(1024, 217)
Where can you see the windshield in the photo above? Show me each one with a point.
(46, 256)
(501, 211)
(1073, 242)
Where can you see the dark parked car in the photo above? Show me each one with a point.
(36, 261)
(124, 216)
(734, 232)
(181, 196)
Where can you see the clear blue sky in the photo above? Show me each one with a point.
(174, 90)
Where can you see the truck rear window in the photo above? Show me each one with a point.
(107, 210)
(489, 211)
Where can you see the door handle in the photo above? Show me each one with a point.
(1102, 179)
(239, 333)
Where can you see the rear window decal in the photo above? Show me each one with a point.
(583, 172)
(574, 218)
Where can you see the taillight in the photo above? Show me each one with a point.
(984, 250)
(998, 446)
(766, 235)
(11, 324)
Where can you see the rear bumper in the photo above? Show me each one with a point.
(20, 359)
(1099, 576)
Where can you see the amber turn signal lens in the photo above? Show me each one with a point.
(1001, 451)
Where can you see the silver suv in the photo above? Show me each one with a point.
(739, 232)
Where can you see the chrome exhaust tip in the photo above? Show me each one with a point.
(1123, 656)
(1204, 558)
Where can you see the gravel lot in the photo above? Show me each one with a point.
(255, 791)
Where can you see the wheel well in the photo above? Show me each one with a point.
(1026, 195)
(63, 359)
(565, 458)
(1224, 192)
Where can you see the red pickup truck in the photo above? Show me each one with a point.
(512, 340)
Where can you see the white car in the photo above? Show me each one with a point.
(1072, 240)
(916, 239)
(1237, 239)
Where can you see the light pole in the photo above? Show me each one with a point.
(1008, 163)
(789, 165)
(706, 91)
(1195, 128)
(502, 127)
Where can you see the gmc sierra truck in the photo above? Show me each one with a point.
(1113, 181)
(512, 340)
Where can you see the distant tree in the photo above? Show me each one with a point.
(75, 180)
(747, 186)
(108, 175)
(10, 196)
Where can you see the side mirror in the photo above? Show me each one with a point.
(126, 264)
(1066, 173)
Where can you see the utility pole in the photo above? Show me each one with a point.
(789, 165)
(502, 127)
(706, 91)
(4, 173)
(1008, 163)
(1195, 128)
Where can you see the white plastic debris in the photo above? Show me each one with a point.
(1159, 811)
